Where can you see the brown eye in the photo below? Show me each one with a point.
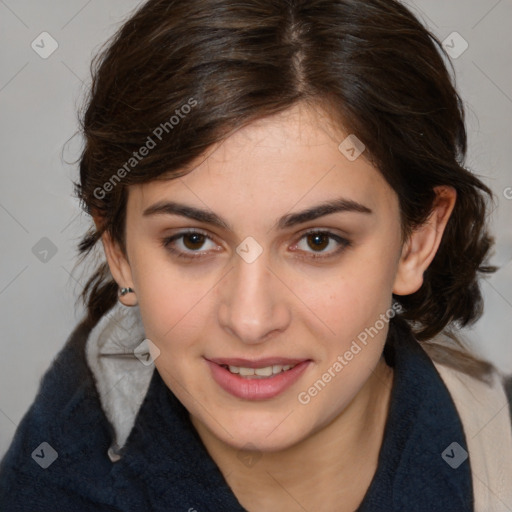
(193, 241)
(321, 244)
(318, 241)
(188, 244)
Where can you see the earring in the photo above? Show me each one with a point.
(124, 291)
(127, 301)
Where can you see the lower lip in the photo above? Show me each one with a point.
(256, 389)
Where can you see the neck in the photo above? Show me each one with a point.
(336, 462)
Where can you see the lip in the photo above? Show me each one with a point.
(256, 389)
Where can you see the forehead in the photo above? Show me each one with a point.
(272, 165)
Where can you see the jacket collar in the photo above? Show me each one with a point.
(423, 462)
(117, 354)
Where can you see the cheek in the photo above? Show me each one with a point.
(173, 303)
(350, 297)
(352, 306)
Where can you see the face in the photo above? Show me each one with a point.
(267, 280)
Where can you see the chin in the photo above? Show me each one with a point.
(260, 432)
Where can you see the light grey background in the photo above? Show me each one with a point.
(38, 102)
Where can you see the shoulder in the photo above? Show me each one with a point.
(484, 409)
(479, 400)
(56, 436)
(67, 376)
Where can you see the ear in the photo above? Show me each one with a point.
(119, 267)
(421, 247)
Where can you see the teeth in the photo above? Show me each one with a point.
(266, 371)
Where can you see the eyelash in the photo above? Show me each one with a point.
(167, 244)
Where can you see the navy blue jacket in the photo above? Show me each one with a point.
(165, 466)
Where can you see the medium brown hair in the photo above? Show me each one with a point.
(370, 64)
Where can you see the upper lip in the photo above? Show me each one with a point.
(255, 363)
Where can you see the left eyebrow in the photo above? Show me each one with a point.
(326, 208)
(286, 221)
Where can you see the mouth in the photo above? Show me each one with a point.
(256, 380)
(258, 373)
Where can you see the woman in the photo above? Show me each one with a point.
(291, 242)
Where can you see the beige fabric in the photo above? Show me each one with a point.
(485, 416)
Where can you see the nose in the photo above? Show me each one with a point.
(253, 304)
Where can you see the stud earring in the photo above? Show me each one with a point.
(124, 291)
(131, 300)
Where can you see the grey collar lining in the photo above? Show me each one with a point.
(122, 378)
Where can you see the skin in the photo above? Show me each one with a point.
(285, 303)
